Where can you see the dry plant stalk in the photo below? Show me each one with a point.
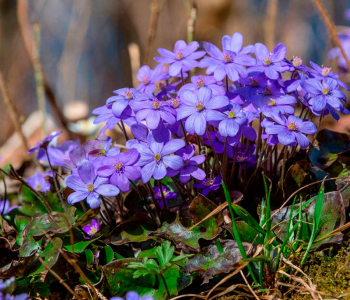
(331, 29)
(12, 111)
(270, 23)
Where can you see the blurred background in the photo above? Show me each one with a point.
(61, 59)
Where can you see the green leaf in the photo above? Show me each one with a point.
(42, 289)
(164, 253)
(21, 222)
(120, 279)
(106, 255)
(89, 256)
(135, 229)
(210, 262)
(49, 255)
(80, 242)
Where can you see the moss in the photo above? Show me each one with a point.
(328, 269)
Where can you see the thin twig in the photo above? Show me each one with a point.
(152, 30)
(13, 113)
(270, 23)
(25, 31)
(248, 285)
(43, 201)
(55, 181)
(331, 29)
(60, 280)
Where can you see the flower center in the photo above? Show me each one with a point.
(145, 79)
(179, 54)
(325, 71)
(129, 94)
(297, 61)
(38, 187)
(200, 83)
(165, 69)
(199, 106)
(267, 61)
(156, 104)
(227, 57)
(157, 157)
(240, 158)
(118, 166)
(208, 182)
(90, 187)
(231, 114)
(175, 102)
(165, 193)
(253, 81)
(292, 126)
(272, 102)
(267, 91)
(102, 152)
(325, 90)
(93, 230)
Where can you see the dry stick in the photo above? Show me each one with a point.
(43, 201)
(38, 75)
(270, 23)
(55, 181)
(12, 111)
(331, 29)
(152, 30)
(25, 31)
(60, 280)
(248, 285)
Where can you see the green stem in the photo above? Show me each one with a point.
(236, 233)
(166, 287)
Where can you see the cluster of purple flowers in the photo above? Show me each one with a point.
(243, 84)
(6, 289)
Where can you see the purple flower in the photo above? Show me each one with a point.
(325, 94)
(279, 105)
(244, 156)
(190, 165)
(200, 109)
(149, 77)
(121, 102)
(322, 73)
(5, 207)
(291, 130)
(156, 159)
(209, 184)
(39, 183)
(132, 296)
(93, 228)
(183, 58)
(204, 81)
(234, 118)
(105, 114)
(231, 61)
(167, 195)
(45, 142)
(120, 168)
(219, 143)
(152, 110)
(269, 62)
(87, 185)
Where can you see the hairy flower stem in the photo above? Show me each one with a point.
(226, 79)
(283, 170)
(225, 160)
(151, 192)
(215, 155)
(124, 130)
(184, 132)
(107, 210)
(162, 193)
(144, 201)
(233, 166)
(55, 181)
(166, 287)
(259, 135)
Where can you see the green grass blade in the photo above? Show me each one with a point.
(235, 231)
